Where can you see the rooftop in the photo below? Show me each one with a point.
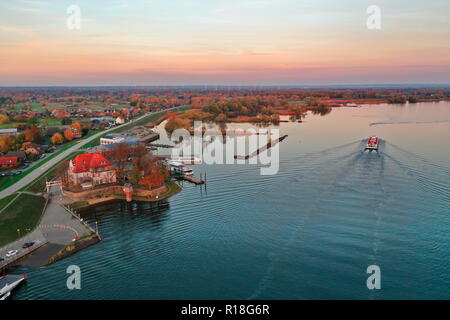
(87, 161)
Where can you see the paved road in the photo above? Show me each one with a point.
(37, 172)
(36, 236)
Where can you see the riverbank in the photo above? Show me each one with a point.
(71, 249)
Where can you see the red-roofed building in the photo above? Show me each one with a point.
(91, 168)
(9, 162)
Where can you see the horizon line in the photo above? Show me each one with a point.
(348, 85)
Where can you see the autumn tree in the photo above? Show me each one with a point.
(134, 175)
(57, 139)
(32, 134)
(4, 147)
(119, 155)
(299, 111)
(311, 101)
(77, 126)
(177, 123)
(61, 172)
(4, 118)
(68, 134)
(221, 117)
(153, 176)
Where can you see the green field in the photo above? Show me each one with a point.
(11, 125)
(293, 102)
(25, 210)
(34, 107)
(23, 214)
(6, 200)
(50, 122)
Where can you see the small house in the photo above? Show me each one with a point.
(8, 162)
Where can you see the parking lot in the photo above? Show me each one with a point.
(36, 236)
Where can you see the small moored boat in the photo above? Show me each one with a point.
(8, 283)
(179, 168)
(372, 143)
(187, 160)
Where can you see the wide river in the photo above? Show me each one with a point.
(308, 232)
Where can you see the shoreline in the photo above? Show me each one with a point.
(172, 189)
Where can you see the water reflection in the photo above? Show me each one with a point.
(155, 213)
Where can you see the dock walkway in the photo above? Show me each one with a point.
(192, 179)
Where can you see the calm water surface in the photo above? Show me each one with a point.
(308, 232)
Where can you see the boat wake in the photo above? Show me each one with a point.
(344, 194)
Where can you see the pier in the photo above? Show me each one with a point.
(192, 180)
(158, 145)
(270, 144)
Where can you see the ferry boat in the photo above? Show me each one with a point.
(8, 283)
(188, 172)
(372, 143)
(178, 168)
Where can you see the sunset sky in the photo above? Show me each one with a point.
(223, 42)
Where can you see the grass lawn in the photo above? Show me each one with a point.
(23, 214)
(25, 211)
(50, 122)
(37, 107)
(172, 188)
(6, 200)
(11, 125)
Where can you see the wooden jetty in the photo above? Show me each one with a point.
(192, 179)
(264, 148)
(159, 145)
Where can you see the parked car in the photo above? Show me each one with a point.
(25, 165)
(17, 172)
(11, 253)
(1, 259)
(27, 245)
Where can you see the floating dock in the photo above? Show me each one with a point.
(149, 138)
